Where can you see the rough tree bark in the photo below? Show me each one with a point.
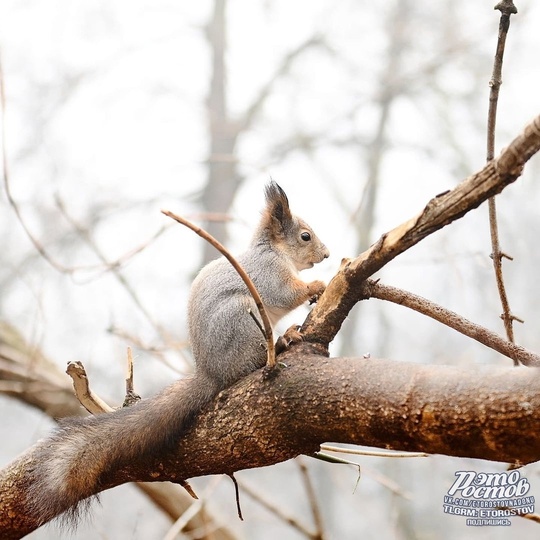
(481, 412)
(475, 412)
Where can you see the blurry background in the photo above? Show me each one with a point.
(362, 112)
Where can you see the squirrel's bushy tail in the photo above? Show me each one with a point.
(70, 464)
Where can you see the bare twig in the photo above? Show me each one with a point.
(187, 486)
(7, 185)
(383, 480)
(312, 498)
(387, 483)
(268, 335)
(374, 289)
(192, 511)
(183, 520)
(371, 453)
(278, 512)
(116, 270)
(237, 496)
(283, 68)
(507, 8)
(131, 396)
(90, 401)
(129, 378)
(533, 517)
(150, 348)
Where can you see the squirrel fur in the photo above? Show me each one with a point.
(227, 345)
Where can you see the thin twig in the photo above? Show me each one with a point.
(533, 517)
(131, 396)
(7, 185)
(86, 235)
(374, 289)
(129, 378)
(378, 477)
(237, 496)
(371, 453)
(507, 8)
(268, 335)
(283, 69)
(90, 401)
(388, 483)
(276, 511)
(312, 498)
(256, 321)
(140, 344)
(179, 525)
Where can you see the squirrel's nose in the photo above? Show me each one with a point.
(326, 254)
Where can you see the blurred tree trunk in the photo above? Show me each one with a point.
(223, 180)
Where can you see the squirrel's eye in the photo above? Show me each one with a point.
(305, 236)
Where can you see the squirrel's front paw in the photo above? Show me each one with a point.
(292, 335)
(315, 289)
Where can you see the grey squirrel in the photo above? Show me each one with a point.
(227, 345)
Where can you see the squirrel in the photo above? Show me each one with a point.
(227, 345)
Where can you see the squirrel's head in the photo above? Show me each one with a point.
(287, 233)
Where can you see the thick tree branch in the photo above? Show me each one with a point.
(480, 413)
(326, 318)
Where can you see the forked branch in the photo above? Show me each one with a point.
(326, 318)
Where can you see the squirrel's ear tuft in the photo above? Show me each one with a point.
(273, 192)
(277, 203)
